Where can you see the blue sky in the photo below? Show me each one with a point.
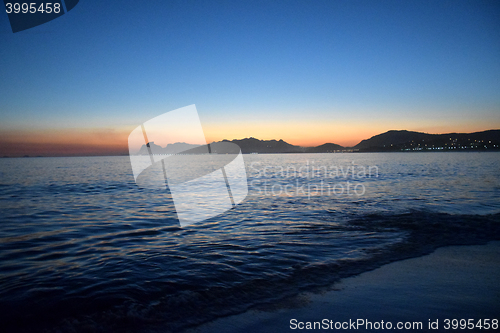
(307, 72)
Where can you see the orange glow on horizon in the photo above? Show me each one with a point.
(344, 133)
(299, 134)
(102, 141)
(63, 142)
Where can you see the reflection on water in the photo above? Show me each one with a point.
(82, 246)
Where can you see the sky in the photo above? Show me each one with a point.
(307, 72)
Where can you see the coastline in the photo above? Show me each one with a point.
(453, 282)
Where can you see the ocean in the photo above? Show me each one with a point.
(83, 248)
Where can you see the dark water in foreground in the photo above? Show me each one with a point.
(82, 248)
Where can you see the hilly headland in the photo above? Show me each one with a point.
(391, 141)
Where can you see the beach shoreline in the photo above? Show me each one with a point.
(453, 282)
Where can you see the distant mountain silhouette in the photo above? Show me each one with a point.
(388, 141)
(171, 148)
(391, 137)
(253, 145)
(247, 146)
(325, 148)
(415, 141)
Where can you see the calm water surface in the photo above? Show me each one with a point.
(83, 248)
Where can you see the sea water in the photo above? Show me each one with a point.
(83, 247)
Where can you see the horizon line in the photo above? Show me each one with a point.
(82, 150)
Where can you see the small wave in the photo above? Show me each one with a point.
(201, 286)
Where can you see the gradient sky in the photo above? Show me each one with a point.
(307, 72)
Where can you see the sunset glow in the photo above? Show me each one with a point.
(329, 72)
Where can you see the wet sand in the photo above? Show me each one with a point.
(457, 282)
